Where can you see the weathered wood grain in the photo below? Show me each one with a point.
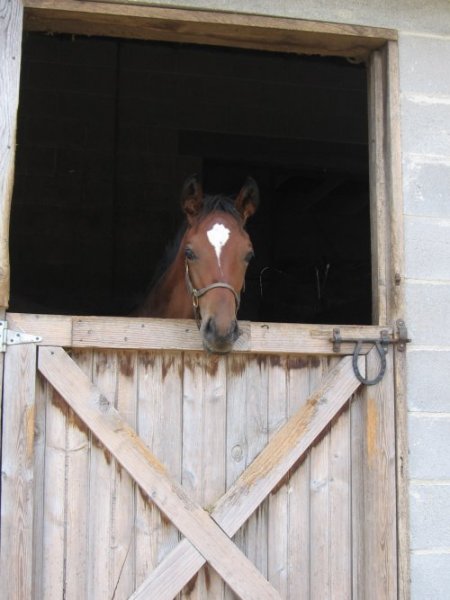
(379, 492)
(319, 503)
(39, 485)
(206, 27)
(101, 487)
(123, 517)
(55, 498)
(204, 448)
(278, 529)
(78, 455)
(11, 16)
(340, 507)
(56, 330)
(159, 424)
(247, 435)
(172, 334)
(16, 550)
(277, 519)
(397, 306)
(299, 486)
(378, 200)
(104, 421)
(357, 494)
(286, 447)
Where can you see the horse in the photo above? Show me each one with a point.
(205, 272)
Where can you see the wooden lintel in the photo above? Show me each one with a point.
(205, 27)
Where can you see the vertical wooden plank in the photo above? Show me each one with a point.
(319, 501)
(11, 12)
(298, 490)
(340, 536)
(247, 435)
(377, 169)
(380, 550)
(401, 437)
(39, 483)
(55, 498)
(357, 493)
(2, 365)
(17, 472)
(237, 453)
(204, 446)
(78, 449)
(123, 505)
(397, 309)
(159, 419)
(257, 436)
(101, 488)
(149, 526)
(278, 499)
(394, 192)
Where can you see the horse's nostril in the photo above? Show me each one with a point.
(235, 330)
(209, 326)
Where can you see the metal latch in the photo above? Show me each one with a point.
(381, 344)
(9, 337)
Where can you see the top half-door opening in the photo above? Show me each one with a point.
(108, 130)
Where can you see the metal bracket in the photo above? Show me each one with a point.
(381, 344)
(402, 336)
(9, 337)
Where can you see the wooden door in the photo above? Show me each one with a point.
(137, 466)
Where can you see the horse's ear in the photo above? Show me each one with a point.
(191, 197)
(247, 200)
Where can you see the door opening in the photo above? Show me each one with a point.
(109, 128)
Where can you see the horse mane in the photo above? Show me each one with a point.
(168, 257)
(218, 203)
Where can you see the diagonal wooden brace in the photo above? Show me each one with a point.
(129, 450)
(286, 448)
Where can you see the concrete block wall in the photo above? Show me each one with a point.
(425, 108)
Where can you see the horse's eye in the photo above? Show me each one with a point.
(249, 256)
(189, 254)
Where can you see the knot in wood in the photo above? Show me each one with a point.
(237, 453)
(103, 403)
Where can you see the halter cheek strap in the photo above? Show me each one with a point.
(196, 294)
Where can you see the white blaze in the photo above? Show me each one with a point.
(218, 237)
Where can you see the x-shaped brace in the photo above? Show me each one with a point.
(207, 536)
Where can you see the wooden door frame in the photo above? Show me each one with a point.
(375, 45)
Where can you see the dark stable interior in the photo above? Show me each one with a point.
(108, 131)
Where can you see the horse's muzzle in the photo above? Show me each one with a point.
(218, 341)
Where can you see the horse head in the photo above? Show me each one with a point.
(217, 251)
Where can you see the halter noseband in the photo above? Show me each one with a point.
(196, 294)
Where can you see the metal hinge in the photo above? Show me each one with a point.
(381, 344)
(8, 337)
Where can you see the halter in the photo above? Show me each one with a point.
(196, 294)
